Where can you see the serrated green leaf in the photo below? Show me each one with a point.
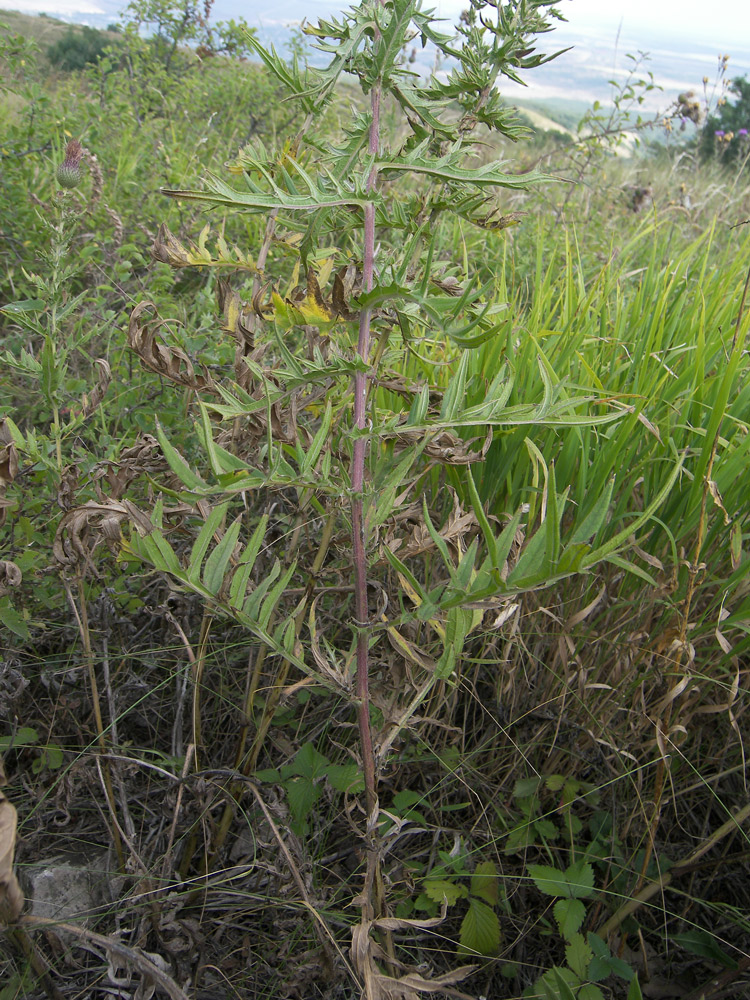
(550, 881)
(446, 169)
(546, 829)
(554, 782)
(525, 788)
(302, 795)
(484, 882)
(480, 930)
(267, 774)
(309, 762)
(590, 992)
(578, 954)
(345, 778)
(569, 915)
(604, 963)
(520, 838)
(580, 879)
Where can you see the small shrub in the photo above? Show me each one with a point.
(79, 47)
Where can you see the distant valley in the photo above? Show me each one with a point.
(560, 90)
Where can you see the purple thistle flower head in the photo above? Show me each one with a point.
(719, 134)
(742, 133)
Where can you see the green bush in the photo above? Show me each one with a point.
(79, 47)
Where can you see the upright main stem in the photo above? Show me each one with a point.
(358, 482)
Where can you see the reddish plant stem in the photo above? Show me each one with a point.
(359, 457)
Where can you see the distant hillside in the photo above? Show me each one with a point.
(41, 28)
(559, 111)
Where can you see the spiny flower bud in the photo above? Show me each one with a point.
(69, 171)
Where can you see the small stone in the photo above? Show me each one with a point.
(66, 890)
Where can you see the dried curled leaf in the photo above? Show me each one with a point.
(343, 285)
(171, 362)
(10, 576)
(446, 447)
(82, 530)
(378, 986)
(8, 465)
(11, 897)
(168, 250)
(8, 468)
(713, 489)
(92, 401)
(238, 320)
(494, 220)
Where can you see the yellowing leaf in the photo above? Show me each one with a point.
(484, 882)
(443, 891)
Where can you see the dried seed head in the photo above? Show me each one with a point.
(69, 171)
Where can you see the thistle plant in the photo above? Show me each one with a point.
(341, 409)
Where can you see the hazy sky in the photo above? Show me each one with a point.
(725, 20)
(720, 20)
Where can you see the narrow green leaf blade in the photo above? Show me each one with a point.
(218, 561)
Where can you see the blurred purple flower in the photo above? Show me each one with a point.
(719, 134)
